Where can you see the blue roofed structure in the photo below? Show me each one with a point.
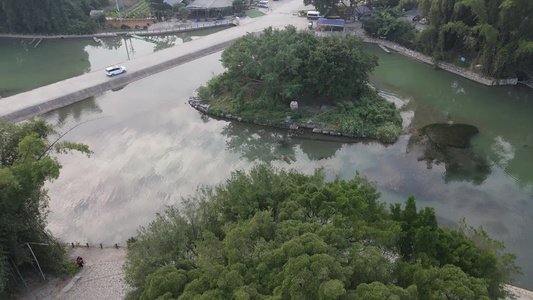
(330, 24)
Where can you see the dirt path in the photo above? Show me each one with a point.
(102, 277)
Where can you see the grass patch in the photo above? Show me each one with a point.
(370, 116)
(68, 268)
(254, 13)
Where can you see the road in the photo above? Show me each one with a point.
(59, 94)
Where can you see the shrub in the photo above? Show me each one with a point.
(388, 133)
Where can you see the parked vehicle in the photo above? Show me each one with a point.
(263, 4)
(115, 70)
(416, 18)
(313, 15)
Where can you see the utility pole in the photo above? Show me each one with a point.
(118, 10)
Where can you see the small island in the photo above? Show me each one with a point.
(296, 80)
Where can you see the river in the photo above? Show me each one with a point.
(151, 149)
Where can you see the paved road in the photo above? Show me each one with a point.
(53, 96)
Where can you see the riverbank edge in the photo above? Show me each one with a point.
(192, 27)
(115, 83)
(465, 73)
(293, 127)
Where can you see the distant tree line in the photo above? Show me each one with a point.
(493, 36)
(49, 16)
(274, 234)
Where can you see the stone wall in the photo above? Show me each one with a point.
(294, 128)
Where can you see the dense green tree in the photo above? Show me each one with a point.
(184, 12)
(494, 35)
(386, 22)
(26, 164)
(160, 8)
(273, 234)
(48, 16)
(449, 282)
(279, 66)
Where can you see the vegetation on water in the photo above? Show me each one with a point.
(274, 234)
(265, 73)
(27, 162)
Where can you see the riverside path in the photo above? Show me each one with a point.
(65, 92)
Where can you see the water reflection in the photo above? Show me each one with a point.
(149, 151)
(77, 111)
(260, 143)
(24, 66)
(449, 144)
(112, 44)
(502, 114)
(163, 42)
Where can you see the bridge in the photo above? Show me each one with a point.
(53, 96)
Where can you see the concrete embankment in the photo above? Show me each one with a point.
(442, 65)
(161, 30)
(59, 94)
(356, 29)
(22, 109)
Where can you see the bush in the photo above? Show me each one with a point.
(68, 268)
(371, 116)
(125, 27)
(388, 133)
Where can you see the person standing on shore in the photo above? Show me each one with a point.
(79, 261)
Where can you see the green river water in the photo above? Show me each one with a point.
(151, 148)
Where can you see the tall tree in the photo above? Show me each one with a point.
(26, 164)
(48, 16)
(280, 66)
(494, 35)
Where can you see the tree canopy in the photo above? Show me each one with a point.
(493, 36)
(26, 164)
(265, 73)
(274, 234)
(48, 16)
(285, 65)
(160, 8)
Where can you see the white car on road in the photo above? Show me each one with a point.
(115, 70)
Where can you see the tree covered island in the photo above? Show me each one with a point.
(265, 73)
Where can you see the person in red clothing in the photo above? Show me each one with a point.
(79, 261)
